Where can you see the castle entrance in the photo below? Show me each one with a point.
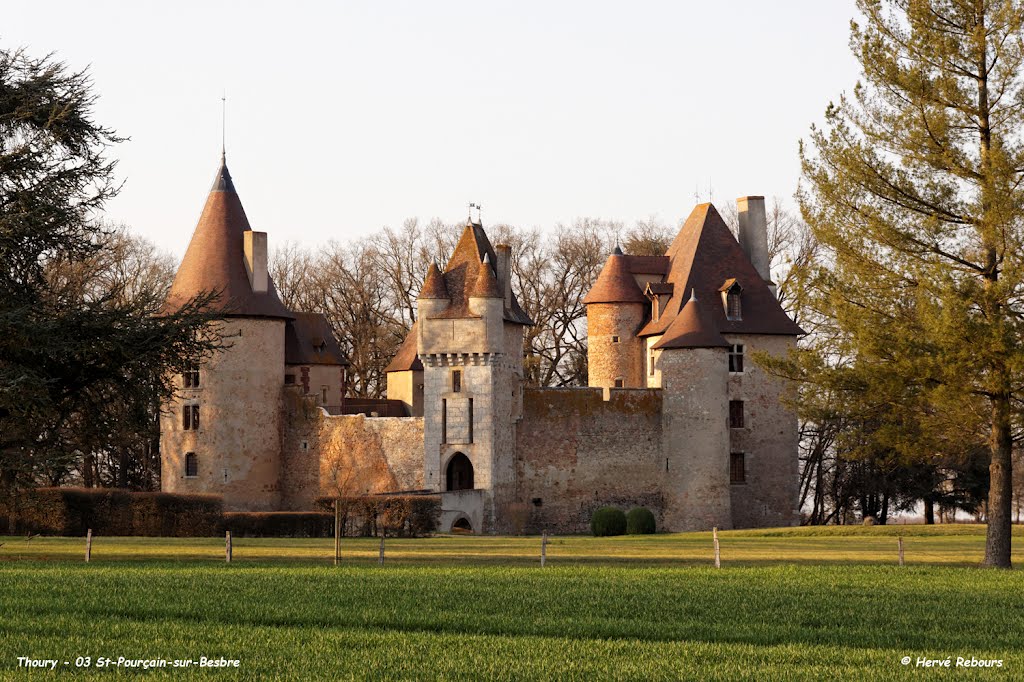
(460, 473)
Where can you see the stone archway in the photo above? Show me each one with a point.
(459, 473)
(462, 525)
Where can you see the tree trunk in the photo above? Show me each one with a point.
(929, 511)
(883, 515)
(1000, 490)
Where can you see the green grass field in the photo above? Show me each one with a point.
(787, 604)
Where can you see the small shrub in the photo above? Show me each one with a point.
(608, 521)
(392, 515)
(869, 520)
(640, 521)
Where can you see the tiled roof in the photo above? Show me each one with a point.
(433, 285)
(693, 327)
(615, 284)
(703, 256)
(647, 265)
(309, 340)
(215, 260)
(486, 285)
(406, 359)
(463, 269)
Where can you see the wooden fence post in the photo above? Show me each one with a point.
(337, 533)
(899, 542)
(718, 549)
(543, 549)
(227, 546)
(88, 545)
(381, 562)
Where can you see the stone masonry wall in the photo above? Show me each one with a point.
(608, 359)
(327, 455)
(768, 439)
(577, 451)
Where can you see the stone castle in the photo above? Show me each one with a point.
(677, 417)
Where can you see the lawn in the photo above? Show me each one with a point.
(788, 604)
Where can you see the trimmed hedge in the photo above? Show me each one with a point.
(111, 511)
(393, 515)
(640, 521)
(279, 524)
(608, 521)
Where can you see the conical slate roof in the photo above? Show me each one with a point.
(433, 285)
(215, 259)
(615, 284)
(486, 282)
(693, 327)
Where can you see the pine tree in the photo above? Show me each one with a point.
(914, 190)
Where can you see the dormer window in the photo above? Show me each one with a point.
(732, 300)
(658, 293)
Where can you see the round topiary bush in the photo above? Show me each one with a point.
(640, 521)
(608, 521)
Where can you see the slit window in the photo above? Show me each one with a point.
(736, 358)
(470, 415)
(618, 383)
(735, 414)
(191, 465)
(444, 420)
(323, 395)
(737, 468)
(457, 381)
(615, 339)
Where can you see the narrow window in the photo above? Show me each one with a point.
(186, 417)
(737, 468)
(732, 304)
(457, 381)
(191, 465)
(615, 339)
(195, 417)
(735, 414)
(651, 364)
(470, 420)
(444, 420)
(736, 358)
(618, 383)
(323, 395)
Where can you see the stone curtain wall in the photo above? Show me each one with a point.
(577, 452)
(348, 455)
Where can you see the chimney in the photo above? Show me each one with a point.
(504, 271)
(256, 260)
(754, 235)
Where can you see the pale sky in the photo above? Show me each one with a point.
(345, 117)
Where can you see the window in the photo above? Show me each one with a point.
(731, 292)
(191, 465)
(735, 414)
(615, 339)
(470, 420)
(736, 357)
(191, 377)
(650, 363)
(190, 417)
(289, 379)
(457, 381)
(737, 468)
(618, 383)
(323, 395)
(444, 420)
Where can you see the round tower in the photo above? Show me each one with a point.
(222, 433)
(615, 312)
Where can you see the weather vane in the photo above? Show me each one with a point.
(223, 122)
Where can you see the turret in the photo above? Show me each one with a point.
(487, 300)
(615, 312)
(221, 434)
